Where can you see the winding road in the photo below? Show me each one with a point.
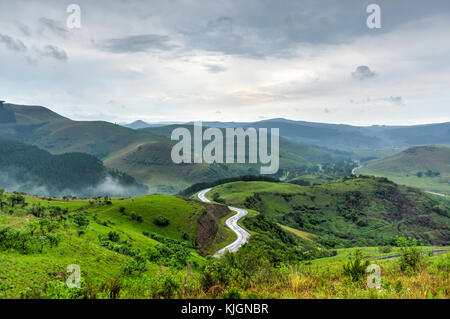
(232, 223)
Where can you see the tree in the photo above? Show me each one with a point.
(81, 221)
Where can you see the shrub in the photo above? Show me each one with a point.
(233, 293)
(356, 267)
(411, 256)
(168, 285)
(161, 221)
(217, 199)
(133, 267)
(384, 249)
(113, 236)
(137, 217)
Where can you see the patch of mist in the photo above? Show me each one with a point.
(12, 180)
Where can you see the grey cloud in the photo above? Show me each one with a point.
(54, 26)
(277, 27)
(214, 68)
(24, 29)
(12, 44)
(137, 43)
(363, 72)
(54, 52)
(398, 100)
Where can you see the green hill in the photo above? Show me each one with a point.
(350, 212)
(144, 154)
(154, 246)
(39, 238)
(27, 168)
(426, 167)
(44, 128)
(151, 164)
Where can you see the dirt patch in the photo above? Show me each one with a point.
(208, 226)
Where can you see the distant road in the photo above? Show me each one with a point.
(438, 194)
(232, 223)
(434, 252)
(354, 170)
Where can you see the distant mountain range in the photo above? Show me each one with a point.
(143, 151)
(339, 136)
(141, 124)
(348, 137)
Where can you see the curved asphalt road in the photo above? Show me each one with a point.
(232, 223)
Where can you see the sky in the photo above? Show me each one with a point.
(246, 60)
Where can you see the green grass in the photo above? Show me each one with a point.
(352, 212)
(403, 167)
(236, 192)
(43, 275)
(23, 275)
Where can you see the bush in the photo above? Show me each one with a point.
(411, 256)
(137, 217)
(161, 221)
(33, 239)
(217, 199)
(233, 293)
(113, 236)
(384, 249)
(134, 266)
(356, 267)
(168, 285)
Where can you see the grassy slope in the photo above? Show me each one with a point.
(54, 133)
(403, 167)
(21, 274)
(355, 212)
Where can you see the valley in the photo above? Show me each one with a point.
(104, 197)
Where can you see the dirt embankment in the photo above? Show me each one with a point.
(208, 226)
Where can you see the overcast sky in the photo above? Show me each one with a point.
(246, 60)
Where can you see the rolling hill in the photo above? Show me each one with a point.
(50, 131)
(361, 211)
(151, 164)
(115, 233)
(143, 154)
(426, 167)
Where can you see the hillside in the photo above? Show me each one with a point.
(351, 212)
(348, 137)
(27, 168)
(144, 154)
(426, 167)
(153, 247)
(122, 245)
(151, 164)
(50, 131)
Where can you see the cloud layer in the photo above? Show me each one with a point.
(183, 61)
